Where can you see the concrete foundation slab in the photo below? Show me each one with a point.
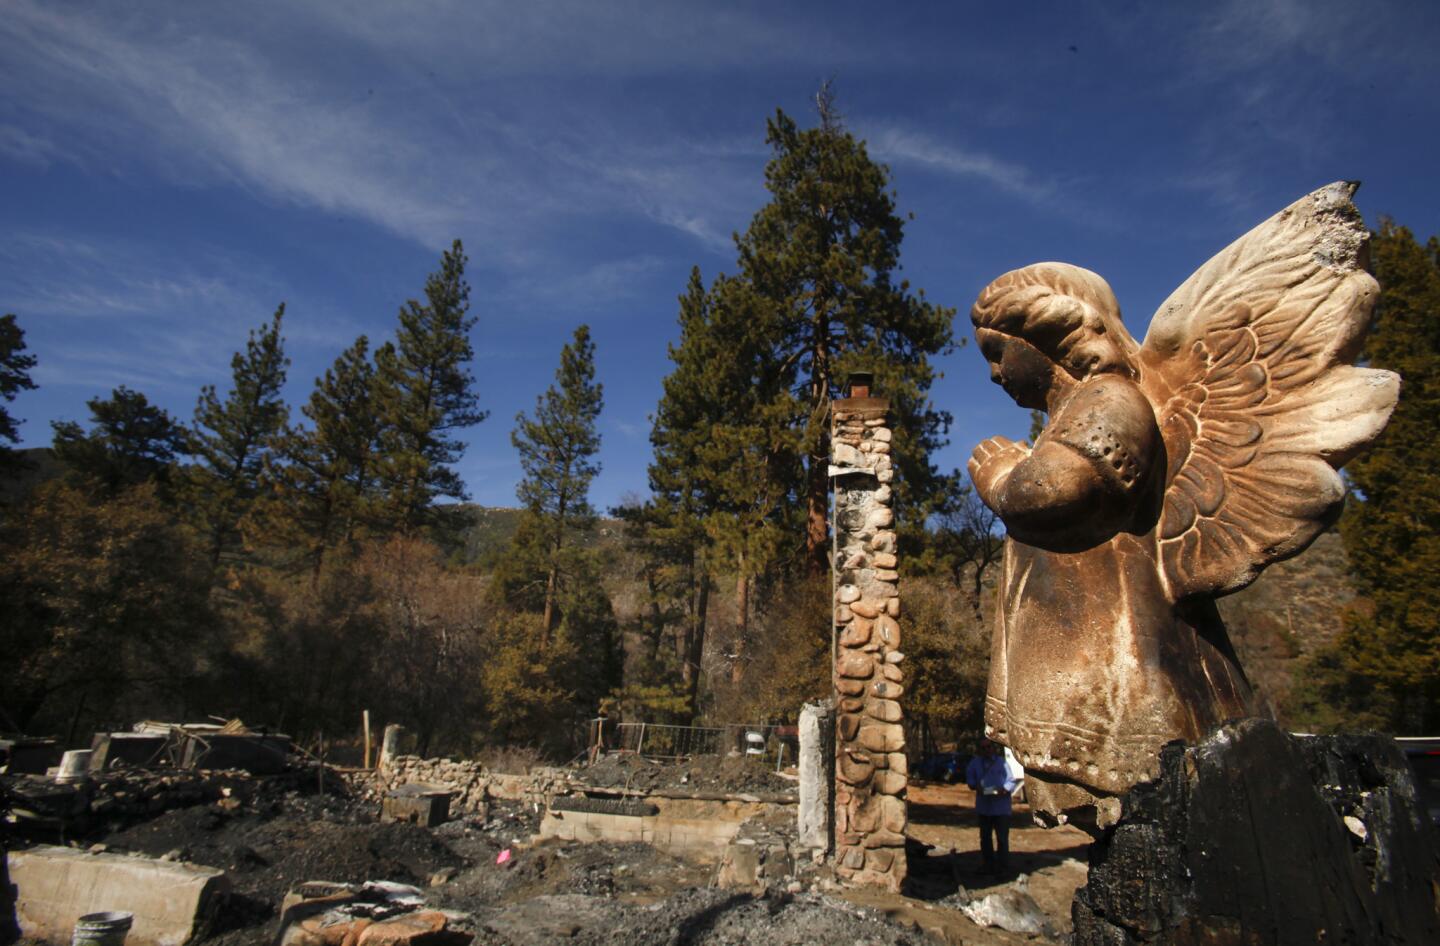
(697, 827)
(172, 902)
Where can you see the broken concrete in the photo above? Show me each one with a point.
(390, 746)
(425, 805)
(171, 901)
(1012, 909)
(700, 827)
(372, 914)
(817, 774)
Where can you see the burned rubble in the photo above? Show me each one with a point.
(707, 851)
(315, 834)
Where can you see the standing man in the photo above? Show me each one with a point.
(993, 781)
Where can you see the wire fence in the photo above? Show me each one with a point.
(662, 741)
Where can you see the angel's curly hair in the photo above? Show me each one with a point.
(1068, 313)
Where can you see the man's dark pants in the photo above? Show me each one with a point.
(1000, 825)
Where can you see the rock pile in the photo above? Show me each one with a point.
(126, 794)
(766, 855)
(870, 762)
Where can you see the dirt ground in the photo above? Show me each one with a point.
(1048, 864)
(568, 892)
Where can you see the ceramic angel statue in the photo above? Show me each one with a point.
(1170, 473)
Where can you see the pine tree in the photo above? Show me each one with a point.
(820, 260)
(322, 484)
(15, 368)
(423, 395)
(1037, 425)
(741, 435)
(232, 438)
(673, 520)
(1383, 671)
(750, 456)
(130, 442)
(105, 600)
(719, 472)
(557, 448)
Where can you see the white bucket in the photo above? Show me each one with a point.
(74, 766)
(102, 929)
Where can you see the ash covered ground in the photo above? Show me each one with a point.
(274, 835)
(723, 774)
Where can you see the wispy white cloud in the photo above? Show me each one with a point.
(614, 39)
(56, 277)
(610, 281)
(1246, 34)
(445, 145)
(99, 313)
(212, 106)
(1263, 91)
(22, 146)
(631, 430)
(896, 145)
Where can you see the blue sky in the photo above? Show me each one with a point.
(170, 172)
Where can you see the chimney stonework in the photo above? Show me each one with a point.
(871, 773)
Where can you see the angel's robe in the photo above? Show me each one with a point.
(1093, 667)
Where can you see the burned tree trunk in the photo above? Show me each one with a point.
(1259, 836)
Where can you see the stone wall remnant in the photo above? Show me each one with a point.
(471, 784)
(1170, 473)
(870, 764)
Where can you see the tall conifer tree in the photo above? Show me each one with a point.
(15, 368)
(557, 448)
(723, 460)
(682, 500)
(820, 262)
(423, 392)
(233, 437)
(131, 441)
(1384, 669)
(323, 485)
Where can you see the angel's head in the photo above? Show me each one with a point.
(1050, 322)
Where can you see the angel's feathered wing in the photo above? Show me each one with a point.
(1249, 366)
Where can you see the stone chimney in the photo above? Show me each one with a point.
(870, 766)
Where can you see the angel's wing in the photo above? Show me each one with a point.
(1249, 366)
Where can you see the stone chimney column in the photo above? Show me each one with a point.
(871, 773)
